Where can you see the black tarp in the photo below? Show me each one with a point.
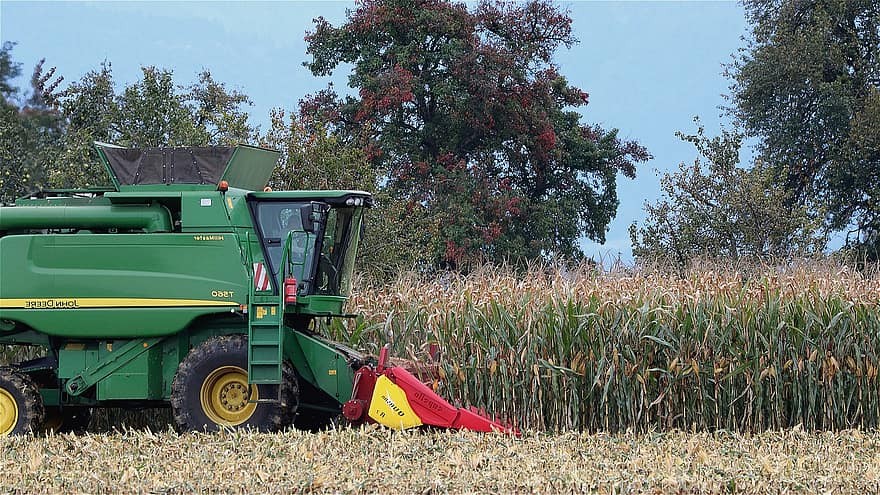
(138, 166)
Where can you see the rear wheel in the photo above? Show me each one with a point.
(210, 390)
(21, 406)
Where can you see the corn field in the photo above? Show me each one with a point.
(584, 349)
(714, 348)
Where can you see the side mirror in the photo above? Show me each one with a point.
(313, 214)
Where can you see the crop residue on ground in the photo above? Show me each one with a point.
(379, 461)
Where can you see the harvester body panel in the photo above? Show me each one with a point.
(119, 285)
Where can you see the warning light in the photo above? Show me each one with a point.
(223, 186)
(267, 189)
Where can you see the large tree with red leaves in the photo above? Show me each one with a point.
(473, 125)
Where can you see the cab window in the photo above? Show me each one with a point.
(276, 220)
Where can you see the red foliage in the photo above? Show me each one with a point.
(320, 106)
(454, 253)
(547, 139)
(491, 232)
(373, 152)
(393, 89)
(422, 168)
(512, 206)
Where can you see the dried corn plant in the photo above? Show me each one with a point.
(717, 347)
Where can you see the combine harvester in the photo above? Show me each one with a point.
(189, 284)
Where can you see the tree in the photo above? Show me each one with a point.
(12, 132)
(90, 109)
(312, 158)
(9, 70)
(218, 111)
(29, 135)
(15, 173)
(153, 111)
(714, 208)
(470, 121)
(808, 86)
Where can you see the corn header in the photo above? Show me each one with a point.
(189, 285)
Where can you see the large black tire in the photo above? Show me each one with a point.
(21, 406)
(210, 390)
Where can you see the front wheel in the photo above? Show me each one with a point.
(210, 390)
(21, 406)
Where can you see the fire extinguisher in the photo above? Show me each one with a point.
(290, 290)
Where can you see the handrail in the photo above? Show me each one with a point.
(250, 267)
(286, 262)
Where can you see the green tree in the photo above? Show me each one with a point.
(12, 133)
(153, 111)
(9, 70)
(30, 135)
(48, 140)
(469, 121)
(219, 111)
(90, 108)
(15, 172)
(714, 208)
(807, 87)
(313, 158)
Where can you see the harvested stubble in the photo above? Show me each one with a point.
(379, 461)
(713, 348)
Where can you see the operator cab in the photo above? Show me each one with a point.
(313, 239)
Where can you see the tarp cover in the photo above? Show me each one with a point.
(201, 165)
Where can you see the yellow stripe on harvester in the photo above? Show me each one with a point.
(106, 302)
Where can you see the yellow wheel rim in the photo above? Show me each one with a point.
(8, 412)
(225, 396)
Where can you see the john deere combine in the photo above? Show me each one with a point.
(189, 285)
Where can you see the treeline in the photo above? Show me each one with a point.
(471, 137)
(806, 88)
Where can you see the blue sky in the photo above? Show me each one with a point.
(649, 67)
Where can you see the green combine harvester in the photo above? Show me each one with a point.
(190, 285)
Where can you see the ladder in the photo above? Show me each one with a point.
(266, 323)
(265, 333)
(265, 338)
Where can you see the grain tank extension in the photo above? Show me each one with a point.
(188, 285)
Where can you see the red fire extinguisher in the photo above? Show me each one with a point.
(290, 290)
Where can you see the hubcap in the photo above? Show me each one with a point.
(8, 412)
(225, 396)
